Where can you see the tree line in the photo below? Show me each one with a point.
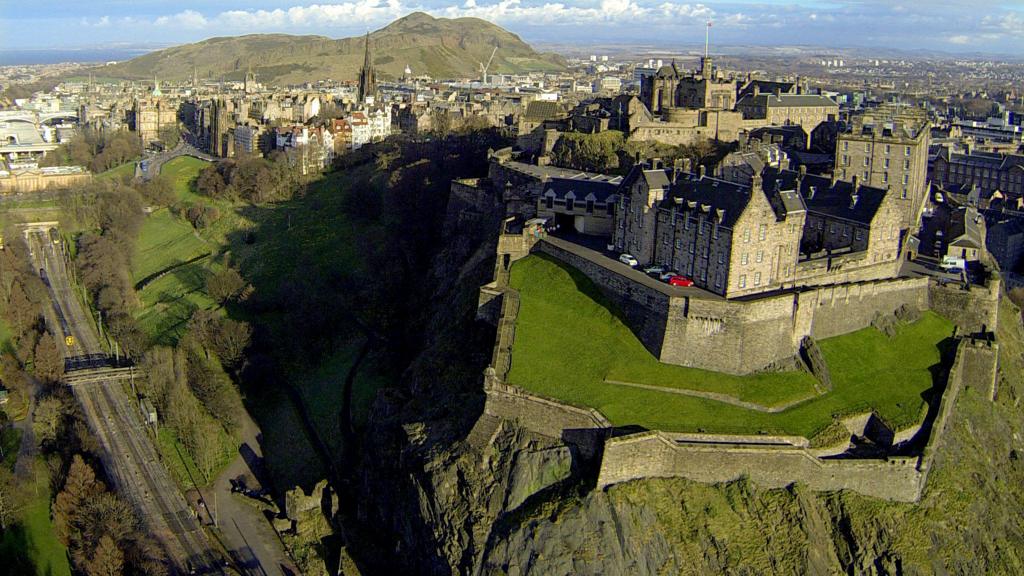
(98, 150)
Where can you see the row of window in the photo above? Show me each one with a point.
(867, 148)
(743, 279)
(570, 205)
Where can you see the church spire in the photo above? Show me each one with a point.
(367, 76)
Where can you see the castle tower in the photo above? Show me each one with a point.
(367, 77)
(250, 80)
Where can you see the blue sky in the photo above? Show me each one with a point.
(995, 26)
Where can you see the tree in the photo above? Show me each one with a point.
(49, 415)
(158, 191)
(224, 285)
(108, 560)
(211, 182)
(81, 485)
(49, 365)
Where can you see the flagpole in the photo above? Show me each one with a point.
(707, 37)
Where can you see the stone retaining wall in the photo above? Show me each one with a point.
(656, 454)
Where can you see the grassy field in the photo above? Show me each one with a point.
(126, 170)
(30, 541)
(183, 171)
(165, 243)
(180, 463)
(591, 344)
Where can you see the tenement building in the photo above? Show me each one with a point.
(989, 172)
(785, 229)
(888, 148)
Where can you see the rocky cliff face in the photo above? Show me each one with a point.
(446, 491)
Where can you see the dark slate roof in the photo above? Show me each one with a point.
(991, 160)
(601, 189)
(551, 172)
(766, 86)
(828, 199)
(726, 200)
(543, 110)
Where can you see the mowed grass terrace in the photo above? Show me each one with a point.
(168, 245)
(569, 344)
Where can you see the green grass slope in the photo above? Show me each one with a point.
(568, 343)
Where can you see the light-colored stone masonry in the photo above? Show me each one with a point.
(769, 461)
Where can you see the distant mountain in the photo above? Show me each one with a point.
(440, 47)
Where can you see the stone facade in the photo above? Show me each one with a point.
(785, 229)
(38, 179)
(888, 148)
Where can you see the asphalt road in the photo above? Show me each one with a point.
(113, 415)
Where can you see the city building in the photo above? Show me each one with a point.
(989, 172)
(887, 147)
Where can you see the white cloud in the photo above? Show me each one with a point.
(189, 19)
(960, 39)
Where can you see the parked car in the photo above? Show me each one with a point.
(667, 274)
(680, 281)
(654, 270)
(629, 260)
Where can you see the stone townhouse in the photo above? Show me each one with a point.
(784, 229)
(779, 109)
(583, 203)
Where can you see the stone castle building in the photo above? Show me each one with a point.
(888, 148)
(786, 229)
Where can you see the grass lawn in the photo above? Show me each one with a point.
(126, 170)
(568, 342)
(164, 241)
(168, 301)
(31, 540)
(182, 171)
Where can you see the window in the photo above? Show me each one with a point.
(867, 161)
(721, 257)
(886, 162)
(760, 256)
(743, 280)
(906, 179)
(679, 244)
(569, 204)
(867, 147)
(746, 235)
(885, 177)
(906, 164)
(757, 278)
(762, 231)
(903, 195)
(611, 209)
(551, 202)
(846, 160)
(906, 151)
(590, 206)
(846, 146)
(859, 235)
(832, 228)
(887, 150)
(744, 258)
(867, 176)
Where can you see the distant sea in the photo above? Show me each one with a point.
(55, 56)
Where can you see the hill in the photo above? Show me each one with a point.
(440, 47)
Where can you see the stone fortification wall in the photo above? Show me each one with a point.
(645, 309)
(844, 308)
(973, 310)
(727, 335)
(773, 462)
(651, 454)
(740, 336)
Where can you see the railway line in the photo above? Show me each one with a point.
(113, 415)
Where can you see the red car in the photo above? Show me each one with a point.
(680, 281)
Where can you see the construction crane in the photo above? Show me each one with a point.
(484, 67)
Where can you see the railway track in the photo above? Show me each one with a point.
(128, 453)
